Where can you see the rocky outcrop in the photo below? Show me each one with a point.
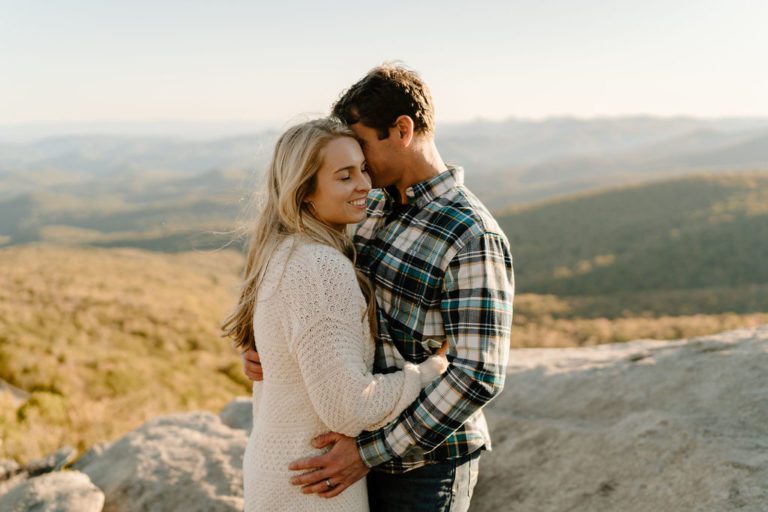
(11, 475)
(92, 454)
(8, 468)
(639, 426)
(16, 395)
(190, 462)
(52, 462)
(238, 414)
(645, 426)
(61, 491)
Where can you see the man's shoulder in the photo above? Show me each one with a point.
(461, 213)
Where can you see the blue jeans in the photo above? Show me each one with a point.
(442, 487)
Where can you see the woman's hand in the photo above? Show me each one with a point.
(435, 365)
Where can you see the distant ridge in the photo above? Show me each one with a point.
(171, 193)
(693, 233)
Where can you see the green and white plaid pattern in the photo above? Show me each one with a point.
(442, 269)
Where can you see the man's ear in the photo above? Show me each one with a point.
(404, 130)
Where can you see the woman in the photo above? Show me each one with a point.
(311, 316)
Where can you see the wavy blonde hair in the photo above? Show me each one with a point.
(291, 177)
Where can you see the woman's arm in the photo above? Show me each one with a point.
(329, 340)
(345, 394)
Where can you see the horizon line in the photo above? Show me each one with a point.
(34, 131)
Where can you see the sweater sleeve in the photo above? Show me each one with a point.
(328, 341)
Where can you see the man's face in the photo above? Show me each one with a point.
(381, 156)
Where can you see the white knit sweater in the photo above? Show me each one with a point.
(317, 354)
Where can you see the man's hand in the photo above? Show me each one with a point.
(342, 466)
(252, 364)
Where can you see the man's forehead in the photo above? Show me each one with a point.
(361, 131)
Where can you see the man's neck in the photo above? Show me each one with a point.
(425, 163)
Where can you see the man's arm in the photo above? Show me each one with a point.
(477, 315)
(252, 364)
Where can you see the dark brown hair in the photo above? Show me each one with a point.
(384, 94)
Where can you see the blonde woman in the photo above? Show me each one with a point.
(311, 316)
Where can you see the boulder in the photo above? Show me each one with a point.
(638, 426)
(62, 491)
(238, 413)
(52, 462)
(8, 468)
(187, 462)
(88, 457)
(13, 481)
(17, 395)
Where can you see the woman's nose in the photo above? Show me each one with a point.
(364, 183)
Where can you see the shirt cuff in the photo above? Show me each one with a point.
(373, 448)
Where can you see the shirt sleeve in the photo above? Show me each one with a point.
(329, 347)
(476, 306)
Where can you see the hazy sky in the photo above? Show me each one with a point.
(108, 60)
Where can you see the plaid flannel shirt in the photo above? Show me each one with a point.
(441, 269)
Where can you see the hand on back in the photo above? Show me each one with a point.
(252, 365)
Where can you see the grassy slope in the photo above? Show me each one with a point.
(104, 339)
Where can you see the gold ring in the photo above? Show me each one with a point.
(328, 483)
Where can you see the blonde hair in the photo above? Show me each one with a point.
(291, 177)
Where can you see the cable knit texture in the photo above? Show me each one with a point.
(317, 353)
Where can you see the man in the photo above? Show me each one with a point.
(442, 270)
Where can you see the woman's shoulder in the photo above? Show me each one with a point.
(317, 273)
(310, 252)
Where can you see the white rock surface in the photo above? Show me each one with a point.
(11, 482)
(186, 462)
(92, 454)
(644, 426)
(16, 395)
(8, 468)
(62, 491)
(238, 413)
(52, 462)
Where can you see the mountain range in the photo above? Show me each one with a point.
(507, 162)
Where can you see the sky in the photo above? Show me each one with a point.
(253, 63)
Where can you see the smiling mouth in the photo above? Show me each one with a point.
(358, 202)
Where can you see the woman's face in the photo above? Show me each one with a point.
(342, 185)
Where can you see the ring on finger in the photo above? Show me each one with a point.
(328, 483)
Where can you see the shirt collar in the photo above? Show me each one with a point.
(421, 194)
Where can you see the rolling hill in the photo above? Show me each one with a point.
(677, 246)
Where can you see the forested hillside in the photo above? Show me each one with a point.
(690, 245)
